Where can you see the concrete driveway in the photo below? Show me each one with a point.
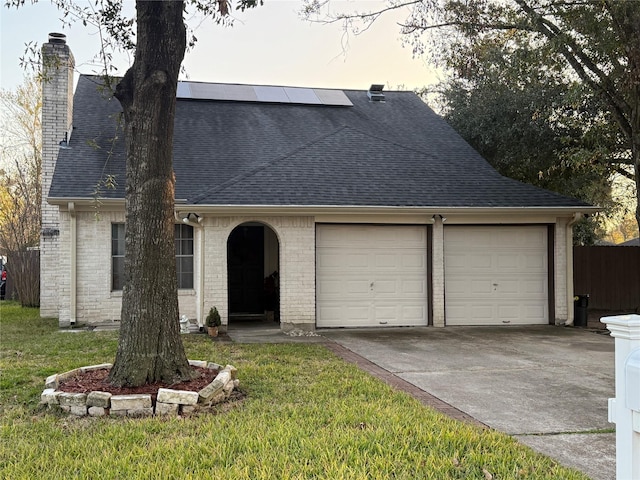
(547, 386)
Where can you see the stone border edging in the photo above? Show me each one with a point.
(168, 401)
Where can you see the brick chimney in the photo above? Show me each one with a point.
(57, 110)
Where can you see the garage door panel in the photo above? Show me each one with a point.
(415, 287)
(391, 315)
(456, 310)
(358, 312)
(414, 260)
(479, 261)
(496, 275)
(481, 314)
(335, 260)
(534, 238)
(330, 313)
(535, 263)
(507, 313)
(368, 236)
(356, 287)
(404, 288)
(456, 262)
(508, 238)
(341, 287)
(386, 315)
(357, 260)
(532, 312)
(415, 314)
(457, 288)
(481, 286)
(539, 287)
(509, 261)
(388, 281)
(386, 261)
(507, 288)
(386, 287)
(328, 287)
(482, 239)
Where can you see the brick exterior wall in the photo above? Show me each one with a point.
(560, 269)
(296, 237)
(98, 305)
(57, 106)
(95, 303)
(437, 280)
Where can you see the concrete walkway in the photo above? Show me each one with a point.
(547, 386)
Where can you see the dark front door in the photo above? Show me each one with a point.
(245, 253)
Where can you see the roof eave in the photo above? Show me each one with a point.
(84, 201)
(184, 206)
(372, 209)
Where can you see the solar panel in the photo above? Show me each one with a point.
(184, 90)
(207, 91)
(271, 94)
(302, 95)
(333, 97)
(239, 93)
(260, 93)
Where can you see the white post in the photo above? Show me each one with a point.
(622, 409)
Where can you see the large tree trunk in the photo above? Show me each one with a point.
(150, 348)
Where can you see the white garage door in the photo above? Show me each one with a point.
(496, 275)
(371, 275)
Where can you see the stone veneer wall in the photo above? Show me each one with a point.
(168, 402)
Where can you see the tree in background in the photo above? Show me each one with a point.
(623, 231)
(597, 40)
(20, 167)
(517, 107)
(149, 348)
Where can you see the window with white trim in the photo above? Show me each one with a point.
(117, 256)
(184, 255)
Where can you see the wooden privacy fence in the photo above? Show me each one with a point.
(609, 275)
(23, 277)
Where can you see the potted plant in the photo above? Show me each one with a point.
(213, 322)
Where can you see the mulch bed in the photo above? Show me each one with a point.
(96, 380)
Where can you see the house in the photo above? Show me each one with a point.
(321, 208)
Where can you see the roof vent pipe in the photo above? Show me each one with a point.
(375, 93)
(59, 38)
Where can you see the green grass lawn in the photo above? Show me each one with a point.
(307, 415)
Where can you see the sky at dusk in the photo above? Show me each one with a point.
(268, 45)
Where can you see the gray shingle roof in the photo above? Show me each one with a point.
(396, 153)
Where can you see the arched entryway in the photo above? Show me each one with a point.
(253, 264)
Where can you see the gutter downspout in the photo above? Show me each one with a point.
(569, 248)
(74, 260)
(200, 294)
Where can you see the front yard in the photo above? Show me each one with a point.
(306, 415)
